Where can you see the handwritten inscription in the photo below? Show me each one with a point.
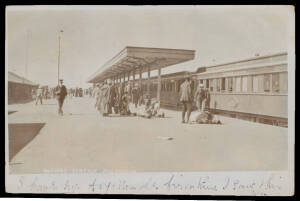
(175, 183)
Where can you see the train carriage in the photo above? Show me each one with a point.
(255, 89)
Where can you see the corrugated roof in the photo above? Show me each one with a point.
(12, 77)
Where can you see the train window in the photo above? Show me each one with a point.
(223, 84)
(250, 85)
(192, 85)
(257, 83)
(230, 84)
(244, 84)
(211, 84)
(178, 85)
(283, 82)
(218, 84)
(275, 82)
(267, 82)
(238, 84)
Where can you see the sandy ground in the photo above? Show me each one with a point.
(83, 139)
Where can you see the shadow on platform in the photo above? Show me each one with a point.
(11, 112)
(19, 101)
(20, 135)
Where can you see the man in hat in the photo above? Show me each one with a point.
(200, 97)
(39, 96)
(61, 92)
(106, 98)
(135, 93)
(186, 98)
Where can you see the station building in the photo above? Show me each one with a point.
(19, 89)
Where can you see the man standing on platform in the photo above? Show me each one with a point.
(61, 92)
(200, 97)
(186, 98)
(135, 93)
(39, 96)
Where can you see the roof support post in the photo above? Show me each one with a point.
(124, 77)
(158, 83)
(148, 82)
(133, 75)
(140, 79)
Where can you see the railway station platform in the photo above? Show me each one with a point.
(41, 141)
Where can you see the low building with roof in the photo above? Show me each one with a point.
(19, 89)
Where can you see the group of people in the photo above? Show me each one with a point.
(111, 97)
(39, 94)
(116, 98)
(75, 92)
(201, 97)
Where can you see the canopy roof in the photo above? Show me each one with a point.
(133, 58)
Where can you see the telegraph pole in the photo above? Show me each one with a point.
(26, 62)
(58, 62)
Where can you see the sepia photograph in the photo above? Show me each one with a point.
(134, 90)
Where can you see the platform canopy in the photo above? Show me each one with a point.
(142, 59)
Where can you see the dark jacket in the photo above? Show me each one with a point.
(61, 92)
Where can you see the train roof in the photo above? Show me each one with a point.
(249, 59)
(12, 77)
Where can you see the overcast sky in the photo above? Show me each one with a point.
(93, 35)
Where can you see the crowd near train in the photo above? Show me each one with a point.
(254, 89)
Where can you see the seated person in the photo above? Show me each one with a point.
(124, 104)
(204, 117)
(151, 108)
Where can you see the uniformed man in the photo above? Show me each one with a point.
(61, 92)
(200, 97)
(186, 98)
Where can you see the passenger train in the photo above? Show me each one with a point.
(255, 89)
